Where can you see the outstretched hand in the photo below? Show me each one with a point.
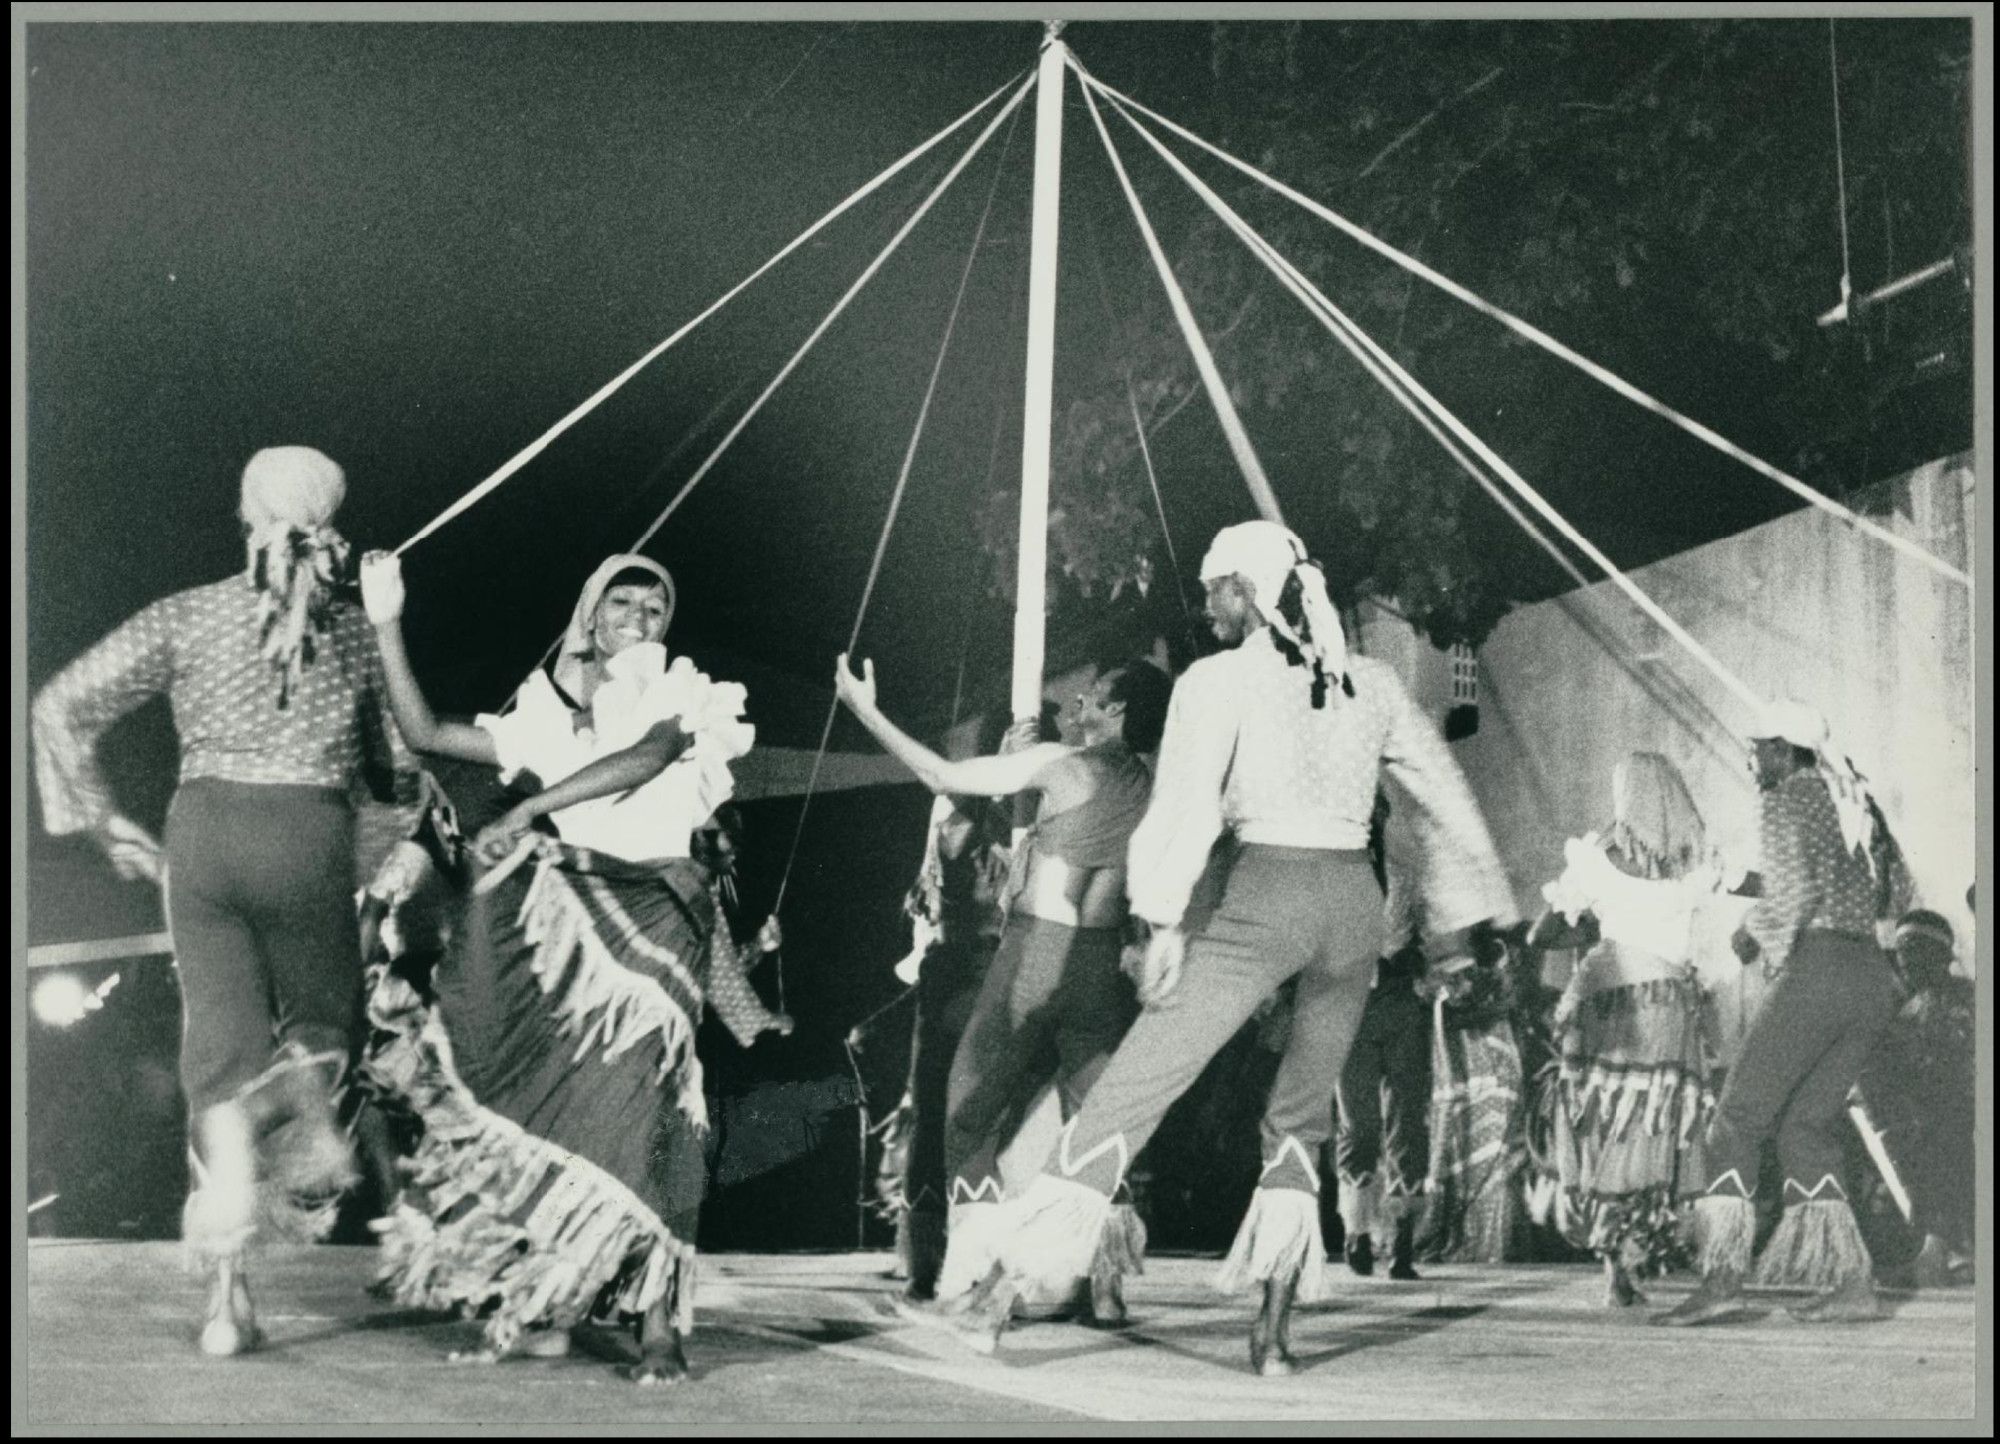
(857, 691)
(382, 587)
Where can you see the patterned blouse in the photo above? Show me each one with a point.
(200, 648)
(1245, 749)
(1811, 879)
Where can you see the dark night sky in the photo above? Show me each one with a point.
(416, 246)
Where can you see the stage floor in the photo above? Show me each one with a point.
(798, 1339)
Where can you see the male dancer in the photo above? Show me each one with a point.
(1282, 741)
(1830, 870)
(1382, 1142)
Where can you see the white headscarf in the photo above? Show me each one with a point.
(1853, 803)
(294, 556)
(1266, 555)
(577, 644)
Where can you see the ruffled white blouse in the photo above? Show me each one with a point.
(1651, 920)
(653, 821)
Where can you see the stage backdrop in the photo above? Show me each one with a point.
(1800, 607)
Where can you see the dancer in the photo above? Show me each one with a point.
(1633, 1091)
(561, 1172)
(1830, 869)
(1054, 1002)
(1284, 742)
(1382, 1141)
(278, 697)
(957, 908)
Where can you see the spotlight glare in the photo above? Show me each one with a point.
(60, 1000)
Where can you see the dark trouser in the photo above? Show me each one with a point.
(260, 901)
(1052, 1009)
(1385, 1093)
(1799, 1059)
(1282, 912)
(947, 989)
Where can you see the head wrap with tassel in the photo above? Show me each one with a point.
(294, 556)
(1655, 823)
(1267, 556)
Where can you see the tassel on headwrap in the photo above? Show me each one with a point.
(1656, 824)
(1267, 556)
(295, 558)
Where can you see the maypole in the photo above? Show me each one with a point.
(1031, 590)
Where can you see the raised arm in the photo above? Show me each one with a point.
(999, 776)
(382, 596)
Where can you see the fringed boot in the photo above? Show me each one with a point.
(1724, 1226)
(1278, 1246)
(1121, 1250)
(308, 1160)
(1818, 1245)
(1360, 1216)
(217, 1224)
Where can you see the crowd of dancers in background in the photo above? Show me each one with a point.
(1205, 852)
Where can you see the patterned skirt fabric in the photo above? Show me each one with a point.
(1632, 1103)
(561, 1170)
(1475, 1212)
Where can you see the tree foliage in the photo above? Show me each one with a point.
(1662, 196)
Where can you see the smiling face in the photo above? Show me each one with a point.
(628, 613)
(1232, 609)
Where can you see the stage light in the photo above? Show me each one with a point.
(61, 1000)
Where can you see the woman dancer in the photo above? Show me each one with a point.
(561, 1172)
(278, 698)
(1633, 1093)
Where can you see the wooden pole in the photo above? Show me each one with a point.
(1031, 590)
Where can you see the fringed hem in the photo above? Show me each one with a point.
(532, 1233)
(1645, 1231)
(1121, 1247)
(1279, 1239)
(608, 1005)
(1051, 1232)
(1724, 1228)
(1607, 1101)
(1817, 1245)
(971, 1247)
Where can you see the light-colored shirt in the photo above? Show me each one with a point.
(200, 648)
(1246, 750)
(656, 819)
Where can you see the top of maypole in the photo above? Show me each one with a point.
(1051, 31)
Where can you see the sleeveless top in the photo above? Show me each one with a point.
(1096, 833)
